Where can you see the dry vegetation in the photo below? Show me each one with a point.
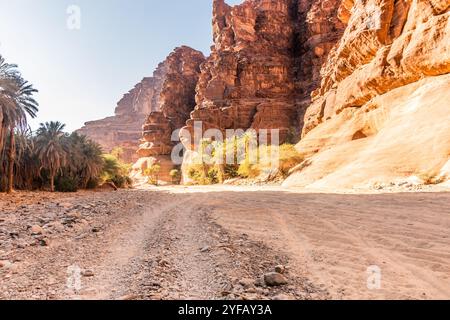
(240, 157)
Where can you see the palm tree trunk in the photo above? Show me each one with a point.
(1, 131)
(221, 173)
(52, 182)
(11, 160)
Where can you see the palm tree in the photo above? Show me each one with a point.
(92, 162)
(26, 164)
(86, 158)
(8, 75)
(219, 155)
(50, 149)
(205, 158)
(16, 101)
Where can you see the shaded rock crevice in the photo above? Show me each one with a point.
(264, 63)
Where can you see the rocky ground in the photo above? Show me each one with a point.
(224, 242)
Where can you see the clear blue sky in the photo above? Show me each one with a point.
(81, 74)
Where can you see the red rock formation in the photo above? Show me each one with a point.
(249, 78)
(381, 111)
(165, 100)
(319, 30)
(356, 77)
(173, 100)
(123, 129)
(387, 44)
(264, 63)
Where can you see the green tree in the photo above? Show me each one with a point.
(50, 149)
(86, 161)
(153, 174)
(118, 153)
(16, 102)
(115, 171)
(175, 174)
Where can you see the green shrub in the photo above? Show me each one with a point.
(153, 174)
(175, 174)
(213, 176)
(119, 181)
(252, 163)
(66, 184)
(288, 157)
(247, 170)
(115, 171)
(93, 183)
(196, 173)
(283, 157)
(231, 171)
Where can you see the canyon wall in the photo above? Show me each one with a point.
(124, 128)
(173, 102)
(248, 81)
(264, 63)
(152, 109)
(380, 116)
(363, 83)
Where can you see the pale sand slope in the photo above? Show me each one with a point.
(403, 133)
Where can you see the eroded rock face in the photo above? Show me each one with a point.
(124, 128)
(151, 110)
(387, 44)
(249, 77)
(174, 100)
(381, 111)
(265, 62)
(320, 29)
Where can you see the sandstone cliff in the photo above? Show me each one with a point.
(249, 79)
(173, 100)
(380, 115)
(264, 64)
(363, 83)
(124, 128)
(160, 103)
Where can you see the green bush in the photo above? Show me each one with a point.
(247, 170)
(289, 158)
(119, 181)
(115, 171)
(153, 174)
(283, 157)
(93, 183)
(196, 173)
(231, 171)
(66, 184)
(252, 163)
(175, 174)
(213, 176)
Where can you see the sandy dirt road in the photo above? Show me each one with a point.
(217, 243)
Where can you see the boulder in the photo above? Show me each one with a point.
(274, 279)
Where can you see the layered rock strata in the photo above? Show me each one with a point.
(380, 115)
(152, 110)
(124, 128)
(170, 106)
(249, 79)
(264, 63)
